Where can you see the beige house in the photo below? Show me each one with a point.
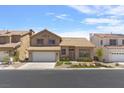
(47, 46)
(13, 41)
(112, 44)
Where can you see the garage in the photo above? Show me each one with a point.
(114, 54)
(118, 57)
(44, 56)
(3, 54)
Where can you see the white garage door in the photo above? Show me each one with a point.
(44, 56)
(119, 57)
(3, 54)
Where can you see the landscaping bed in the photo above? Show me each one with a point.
(69, 64)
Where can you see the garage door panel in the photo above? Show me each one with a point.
(44, 56)
(117, 57)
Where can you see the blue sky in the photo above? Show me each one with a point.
(76, 21)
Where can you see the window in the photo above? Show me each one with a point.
(63, 51)
(15, 38)
(113, 42)
(2, 40)
(101, 42)
(51, 42)
(40, 41)
(84, 53)
(122, 42)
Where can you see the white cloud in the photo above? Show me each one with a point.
(60, 16)
(75, 34)
(116, 10)
(114, 29)
(109, 21)
(100, 10)
(83, 9)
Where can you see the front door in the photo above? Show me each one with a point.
(72, 54)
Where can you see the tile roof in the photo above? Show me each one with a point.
(9, 33)
(79, 42)
(110, 35)
(9, 45)
(46, 48)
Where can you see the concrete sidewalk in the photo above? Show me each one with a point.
(6, 67)
(37, 66)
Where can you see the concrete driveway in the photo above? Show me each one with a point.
(37, 65)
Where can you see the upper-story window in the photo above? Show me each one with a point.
(122, 42)
(2, 40)
(113, 42)
(101, 42)
(40, 41)
(51, 41)
(63, 51)
(15, 38)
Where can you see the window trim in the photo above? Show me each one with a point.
(39, 42)
(111, 42)
(64, 51)
(123, 42)
(84, 52)
(101, 42)
(51, 40)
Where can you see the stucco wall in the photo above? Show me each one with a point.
(91, 50)
(46, 36)
(24, 46)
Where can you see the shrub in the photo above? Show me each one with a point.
(64, 59)
(84, 59)
(67, 62)
(117, 64)
(99, 53)
(6, 60)
(16, 57)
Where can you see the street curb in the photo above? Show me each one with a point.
(16, 69)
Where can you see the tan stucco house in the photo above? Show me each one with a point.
(112, 45)
(47, 46)
(12, 42)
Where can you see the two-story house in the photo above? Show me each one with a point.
(12, 42)
(112, 44)
(46, 46)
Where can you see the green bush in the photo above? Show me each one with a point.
(63, 62)
(16, 57)
(84, 59)
(6, 60)
(64, 59)
(67, 62)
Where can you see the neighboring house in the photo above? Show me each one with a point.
(112, 44)
(46, 46)
(12, 42)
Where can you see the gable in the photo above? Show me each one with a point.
(45, 33)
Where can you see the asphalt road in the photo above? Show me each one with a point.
(62, 79)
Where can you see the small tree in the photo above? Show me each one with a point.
(99, 53)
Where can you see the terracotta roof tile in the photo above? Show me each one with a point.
(9, 45)
(9, 33)
(110, 35)
(79, 42)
